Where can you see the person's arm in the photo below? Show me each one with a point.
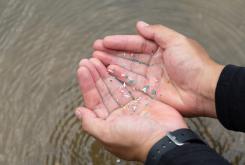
(230, 98)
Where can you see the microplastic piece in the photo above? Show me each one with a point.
(124, 76)
(138, 99)
(131, 82)
(145, 88)
(123, 65)
(153, 92)
(127, 95)
(156, 80)
(124, 85)
(140, 62)
(134, 108)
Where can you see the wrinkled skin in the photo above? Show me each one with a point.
(127, 122)
(178, 68)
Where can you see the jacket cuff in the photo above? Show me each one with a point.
(227, 96)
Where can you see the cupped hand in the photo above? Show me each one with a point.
(127, 122)
(164, 64)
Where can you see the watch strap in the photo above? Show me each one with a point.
(169, 142)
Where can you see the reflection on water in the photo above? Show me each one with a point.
(41, 43)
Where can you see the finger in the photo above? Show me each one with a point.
(98, 45)
(105, 94)
(137, 57)
(129, 43)
(118, 91)
(133, 66)
(162, 35)
(91, 124)
(134, 80)
(92, 98)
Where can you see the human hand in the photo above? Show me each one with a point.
(166, 65)
(127, 122)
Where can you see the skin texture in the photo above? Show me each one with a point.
(176, 67)
(127, 122)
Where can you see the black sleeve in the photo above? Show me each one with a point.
(230, 98)
(192, 154)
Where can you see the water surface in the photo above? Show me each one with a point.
(41, 43)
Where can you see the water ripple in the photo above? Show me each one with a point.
(41, 43)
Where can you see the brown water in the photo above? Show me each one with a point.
(41, 43)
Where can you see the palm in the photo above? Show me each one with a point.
(144, 126)
(125, 112)
(162, 74)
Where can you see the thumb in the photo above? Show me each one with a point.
(90, 123)
(162, 35)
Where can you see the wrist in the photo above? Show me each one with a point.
(143, 152)
(216, 71)
(209, 87)
(151, 142)
(170, 142)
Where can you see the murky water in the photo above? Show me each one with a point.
(41, 43)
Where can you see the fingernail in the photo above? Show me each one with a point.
(143, 23)
(78, 113)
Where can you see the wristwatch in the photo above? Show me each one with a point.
(172, 140)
